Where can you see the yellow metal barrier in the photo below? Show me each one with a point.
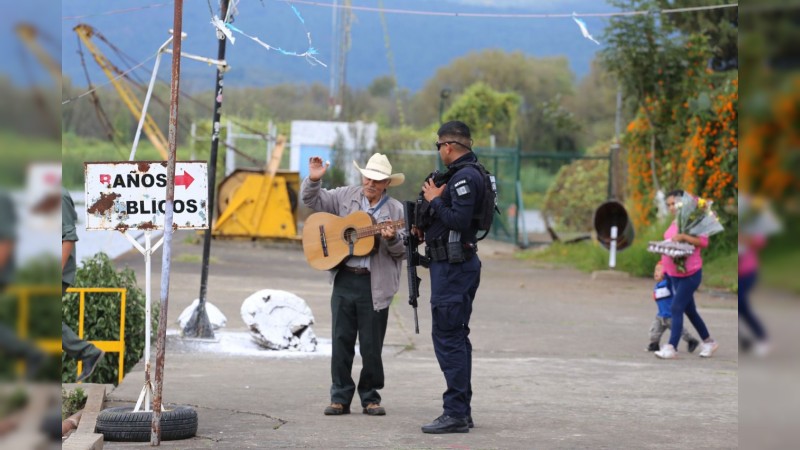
(53, 346)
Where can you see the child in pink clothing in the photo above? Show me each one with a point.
(684, 285)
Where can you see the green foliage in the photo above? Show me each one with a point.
(595, 106)
(72, 402)
(101, 320)
(12, 400)
(658, 70)
(487, 112)
(44, 312)
(382, 86)
(538, 82)
(578, 189)
(21, 152)
(535, 184)
(719, 25)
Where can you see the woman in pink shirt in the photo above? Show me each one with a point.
(749, 246)
(684, 285)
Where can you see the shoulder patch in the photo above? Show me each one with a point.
(463, 189)
(464, 181)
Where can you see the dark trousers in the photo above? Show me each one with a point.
(746, 283)
(453, 289)
(354, 316)
(683, 289)
(71, 344)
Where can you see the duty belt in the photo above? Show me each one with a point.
(437, 250)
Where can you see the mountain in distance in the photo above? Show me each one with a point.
(419, 44)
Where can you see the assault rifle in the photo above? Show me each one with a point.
(413, 258)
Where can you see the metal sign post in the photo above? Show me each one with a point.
(130, 195)
(171, 207)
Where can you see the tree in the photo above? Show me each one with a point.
(488, 112)
(720, 26)
(594, 105)
(654, 69)
(685, 130)
(536, 80)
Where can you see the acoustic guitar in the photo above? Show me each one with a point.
(329, 239)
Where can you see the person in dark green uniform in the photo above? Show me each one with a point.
(74, 346)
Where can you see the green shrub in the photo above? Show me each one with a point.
(101, 320)
(44, 313)
(578, 189)
(72, 402)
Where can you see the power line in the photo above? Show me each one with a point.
(508, 15)
(117, 11)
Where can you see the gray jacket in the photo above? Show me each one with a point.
(385, 264)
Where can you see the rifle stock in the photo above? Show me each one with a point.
(413, 259)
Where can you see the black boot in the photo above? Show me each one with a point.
(653, 347)
(692, 345)
(446, 424)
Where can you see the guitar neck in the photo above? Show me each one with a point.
(375, 229)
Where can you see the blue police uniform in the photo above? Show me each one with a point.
(453, 285)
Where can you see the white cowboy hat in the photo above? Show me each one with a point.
(379, 168)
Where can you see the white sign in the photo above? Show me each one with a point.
(43, 196)
(124, 195)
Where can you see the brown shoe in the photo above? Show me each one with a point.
(374, 409)
(337, 409)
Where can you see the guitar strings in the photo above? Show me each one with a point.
(375, 228)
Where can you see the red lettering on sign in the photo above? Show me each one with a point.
(105, 178)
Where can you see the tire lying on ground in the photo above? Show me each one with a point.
(122, 424)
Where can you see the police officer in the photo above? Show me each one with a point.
(71, 344)
(454, 269)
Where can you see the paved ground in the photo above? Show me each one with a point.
(558, 363)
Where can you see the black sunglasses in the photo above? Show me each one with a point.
(440, 144)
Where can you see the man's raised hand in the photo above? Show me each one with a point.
(316, 168)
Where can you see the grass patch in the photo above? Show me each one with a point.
(719, 272)
(778, 270)
(194, 258)
(722, 272)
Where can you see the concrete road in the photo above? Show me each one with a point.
(559, 362)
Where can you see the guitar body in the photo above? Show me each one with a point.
(329, 239)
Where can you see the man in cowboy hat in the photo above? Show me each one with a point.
(363, 287)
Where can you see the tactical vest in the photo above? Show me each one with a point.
(483, 216)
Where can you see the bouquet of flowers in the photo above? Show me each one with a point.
(696, 218)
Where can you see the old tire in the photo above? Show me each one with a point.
(122, 424)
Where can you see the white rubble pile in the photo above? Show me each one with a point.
(279, 320)
(215, 316)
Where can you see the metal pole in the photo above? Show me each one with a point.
(193, 140)
(155, 425)
(230, 156)
(198, 325)
(148, 332)
(147, 98)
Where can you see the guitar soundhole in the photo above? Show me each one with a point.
(350, 236)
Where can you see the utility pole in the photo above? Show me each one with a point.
(199, 325)
(177, 28)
